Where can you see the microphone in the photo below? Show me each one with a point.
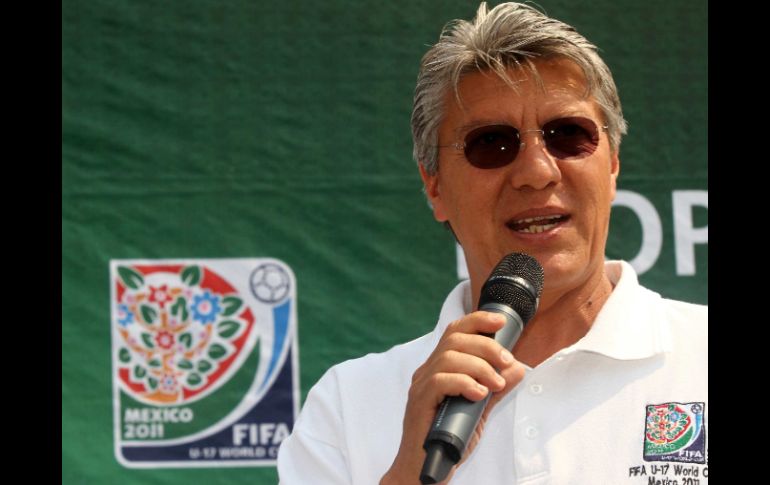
(513, 289)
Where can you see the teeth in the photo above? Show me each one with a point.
(534, 229)
(536, 225)
(538, 218)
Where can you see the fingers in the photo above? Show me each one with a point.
(512, 375)
(456, 371)
(453, 384)
(464, 336)
(479, 346)
(464, 362)
(477, 322)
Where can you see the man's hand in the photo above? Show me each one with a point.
(463, 363)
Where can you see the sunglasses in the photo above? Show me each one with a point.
(495, 146)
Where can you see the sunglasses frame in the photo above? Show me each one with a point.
(595, 131)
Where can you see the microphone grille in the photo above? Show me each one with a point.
(516, 281)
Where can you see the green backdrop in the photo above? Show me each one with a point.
(205, 129)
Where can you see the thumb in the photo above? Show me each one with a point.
(513, 374)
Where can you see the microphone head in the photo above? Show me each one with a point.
(517, 282)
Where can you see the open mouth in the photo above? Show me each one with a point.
(536, 225)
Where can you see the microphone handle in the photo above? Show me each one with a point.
(457, 416)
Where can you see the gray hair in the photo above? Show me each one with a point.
(510, 35)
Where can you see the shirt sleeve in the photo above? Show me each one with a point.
(315, 452)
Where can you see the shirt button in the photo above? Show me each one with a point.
(531, 432)
(536, 389)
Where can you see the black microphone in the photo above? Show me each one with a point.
(513, 289)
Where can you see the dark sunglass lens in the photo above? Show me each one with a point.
(492, 146)
(571, 137)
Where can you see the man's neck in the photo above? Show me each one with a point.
(562, 320)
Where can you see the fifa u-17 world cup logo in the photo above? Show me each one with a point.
(204, 361)
(675, 432)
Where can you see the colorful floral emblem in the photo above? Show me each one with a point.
(182, 328)
(675, 432)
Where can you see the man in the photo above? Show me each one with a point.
(517, 127)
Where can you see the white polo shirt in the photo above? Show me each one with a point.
(626, 404)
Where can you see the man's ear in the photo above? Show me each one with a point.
(614, 172)
(433, 192)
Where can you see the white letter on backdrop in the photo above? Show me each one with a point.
(652, 229)
(685, 235)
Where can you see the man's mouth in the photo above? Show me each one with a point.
(535, 225)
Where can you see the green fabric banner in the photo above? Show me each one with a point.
(201, 130)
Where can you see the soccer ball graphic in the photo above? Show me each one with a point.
(270, 283)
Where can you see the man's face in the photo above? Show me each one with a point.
(487, 208)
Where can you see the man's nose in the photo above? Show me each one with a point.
(534, 167)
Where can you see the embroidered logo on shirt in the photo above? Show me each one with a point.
(675, 432)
